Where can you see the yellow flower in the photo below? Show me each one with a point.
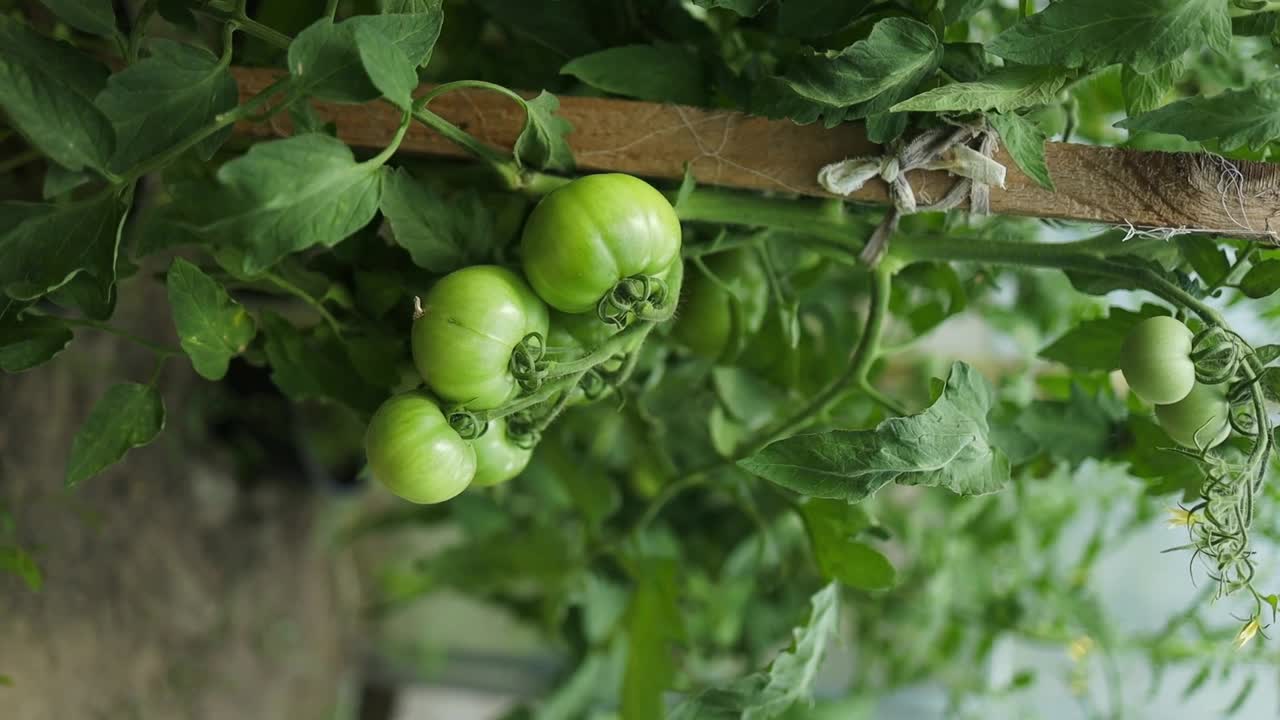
(1179, 517)
(1247, 632)
(1080, 647)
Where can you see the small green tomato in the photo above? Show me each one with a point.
(414, 452)
(498, 459)
(1199, 420)
(1156, 360)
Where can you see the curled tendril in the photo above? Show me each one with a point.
(527, 364)
(1217, 353)
(522, 430)
(593, 385)
(466, 424)
(1242, 419)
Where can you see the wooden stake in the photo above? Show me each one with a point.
(1182, 191)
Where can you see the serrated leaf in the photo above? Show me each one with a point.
(387, 66)
(832, 526)
(441, 236)
(1235, 117)
(47, 90)
(1267, 354)
(661, 73)
(652, 622)
(1205, 257)
(543, 142)
(1025, 142)
(30, 341)
(129, 415)
(1269, 381)
(47, 246)
(19, 562)
(212, 327)
(1144, 92)
(1075, 430)
(410, 7)
(873, 73)
(1094, 33)
(789, 679)
(164, 99)
(1095, 344)
(1262, 280)
(1006, 89)
(325, 59)
(95, 17)
(307, 366)
(288, 195)
(853, 464)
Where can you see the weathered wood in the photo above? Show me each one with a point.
(1105, 185)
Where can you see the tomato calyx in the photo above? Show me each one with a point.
(642, 297)
(1217, 354)
(528, 365)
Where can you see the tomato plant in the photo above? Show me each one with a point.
(713, 342)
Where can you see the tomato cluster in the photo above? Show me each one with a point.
(1156, 360)
(600, 252)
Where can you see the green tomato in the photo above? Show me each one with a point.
(584, 237)
(414, 452)
(1199, 420)
(498, 459)
(1156, 360)
(718, 316)
(472, 319)
(578, 333)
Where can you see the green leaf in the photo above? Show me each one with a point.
(1146, 92)
(945, 446)
(325, 59)
(542, 143)
(46, 246)
(315, 367)
(19, 562)
(1074, 431)
(1094, 33)
(410, 7)
(563, 26)
(387, 66)
(818, 18)
(661, 73)
(1095, 344)
(832, 525)
(95, 17)
(164, 99)
(59, 180)
(1269, 381)
(1262, 280)
(872, 74)
(1025, 142)
(211, 326)
(47, 90)
(288, 195)
(1233, 118)
(129, 415)
(1008, 88)
(1205, 257)
(653, 621)
(441, 235)
(789, 679)
(955, 11)
(30, 341)
(745, 8)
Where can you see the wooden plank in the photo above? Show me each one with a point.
(1105, 185)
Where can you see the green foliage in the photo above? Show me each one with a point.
(680, 511)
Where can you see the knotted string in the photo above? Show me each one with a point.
(949, 148)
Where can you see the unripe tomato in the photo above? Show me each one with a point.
(1156, 360)
(580, 333)
(498, 459)
(717, 318)
(584, 237)
(414, 452)
(1199, 420)
(472, 319)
